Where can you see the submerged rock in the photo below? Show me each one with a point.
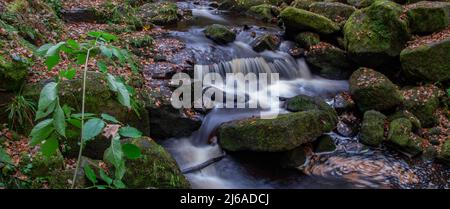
(402, 138)
(376, 35)
(372, 128)
(372, 90)
(428, 17)
(297, 20)
(219, 34)
(266, 42)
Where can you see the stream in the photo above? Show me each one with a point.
(351, 165)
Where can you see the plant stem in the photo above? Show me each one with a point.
(82, 119)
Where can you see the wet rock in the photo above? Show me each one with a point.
(13, 71)
(348, 124)
(376, 35)
(264, 12)
(307, 39)
(422, 102)
(304, 103)
(402, 138)
(336, 11)
(155, 169)
(428, 17)
(330, 61)
(428, 61)
(372, 90)
(343, 102)
(444, 155)
(372, 128)
(295, 158)
(297, 20)
(266, 42)
(162, 13)
(219, 34)
(324, 144)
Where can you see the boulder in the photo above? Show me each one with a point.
(264, 12)
(360, 3)
(296, 158)
(13, 71)
(330, 61)
(155, 169)
(428, 17)
(307, 39)
(324, 144)
(372, 128)
(219, 34)
(372, 90)
(297, 20)
(428, 61)
(416, 124)
(91, 15)
(336, 11)
(303, 4)
(375, 35)
(423, 102)
(282, 133)
(444, 155)
(162, 13)
(401, 137)
(244, 5)
(42, 165)
(266, 42)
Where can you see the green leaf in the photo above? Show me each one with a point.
(116, 52)
(102, 67)
(81, 58)
(105, 177)
(54, 50)
(119, 184)
(114, 155)
(44, 113)
(112, 82)
(123, 95)
(105, 36)
(4, 157)
(69, 74)
(52, 61)
(48, 95)
(49, 146)
(106, 51)
(67, 110)
(75, 122)
(41, 131)
(90, 174)
(59, 120)
(130, 132)
(43, 49)
(92, 128)
(86, 115)
(131, 151)
(73, 44)
(109, 118)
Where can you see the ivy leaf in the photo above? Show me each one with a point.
(59, 120)
(50, 145)
(41, 131)
(114, 155)
(90, 174)
(69, 74)
(102, 67)
(131, 151)
(4, 157)
(105, 177)
(130, 132)
(48, 96)
(92, 128)
(52, 61)
(109, 118)
(106, 51)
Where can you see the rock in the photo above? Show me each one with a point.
(422, 102)
(444, 155)
(428, 17)
(343, 102)
(13, 71)
(62, 179)
(282, 133)
(307, 39)
(42, 166)
(219, 34)
(429, 61)
(360, 3)
(303, 4)
(264, 12)
(372, 90)
(304, 103)
(162, 13)
(330, 61)
(375, 35)
(295, 158)
(372, 128)
(336, 11)
(297, 20)
(402, 138)
(324, 144)
(416, 125)
(348, 124)
(90, 15)
(266, 42)
(155, 169)
(244, 5)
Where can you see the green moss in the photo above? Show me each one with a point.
(372, 128)
(335, 11)
(266, 42)
(423, 102)
(43, 166)
(330, 62)
(360, 3)
(163, 13)
(303, 4)
(219, 34)
(428, 17)
(307, 39)
(324, 144)
(372, 90)
(156, 168)
(300, 20)
(140, 42)
(401, 137)
(263, 12)
(430, 62)
(12, 73)
(295, 158)
(444, 155)
(406, 114)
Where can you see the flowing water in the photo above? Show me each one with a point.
(350, 166)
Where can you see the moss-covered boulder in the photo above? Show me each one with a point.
(423, 102)
(13, 71)
(324, 144)
(244, 5)
(42, 165)
(416, 124)
(336, 11)
(62, 179)
(428, 17)
(303, 4)
(329, 61)
(282, 133)
(372, 90)
(155, 169)
(401, 137)
(295, 158)
(220, 34)
(376, 35)
(297, 20)
(266, 42)
(304, 103)
(307, 39)
(372, 128)
(360, 3)
(264, 12)
(444, 154)
(428, 61)
(162, 13)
